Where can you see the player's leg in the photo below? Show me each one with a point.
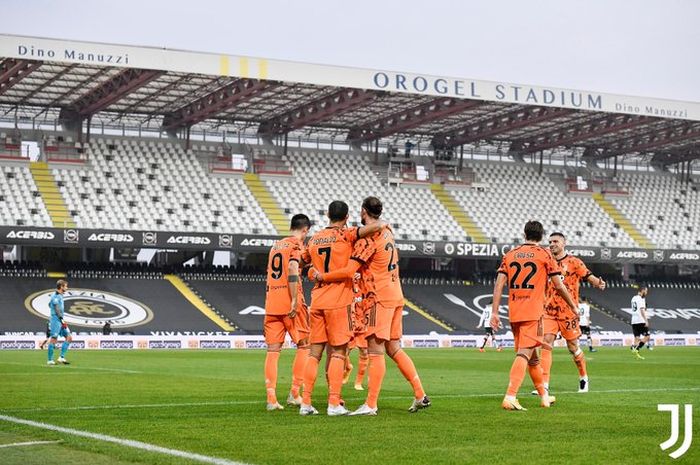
(551, 328)
(298, 369)
(299, 332)
(486, 339)
(377, 334)
(571, 332)
(65, 332)
(339, 330)
(527, 336)
(534, 369)
(404, 362)
(318, 339)
(580, 362)
(377, 370)
(274, 331)
(362, 363)
(54, 329)
(347, 370)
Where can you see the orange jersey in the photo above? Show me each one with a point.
(527, 267)
(329, 250)
(573, 271)
(278, 299)
(380, 272)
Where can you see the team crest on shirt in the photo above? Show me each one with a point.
(92, 308)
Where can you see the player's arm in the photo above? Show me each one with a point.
(368, 230)
(643, 312)
(495, 305)
(342, 274)
(563, 292)
(293, 279)
(595, 281)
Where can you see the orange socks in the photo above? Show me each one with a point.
(537, 377)
(336, 368)
(361, 368)
(408, 370)
(310, 373)
(546, 358)
(298, 369)
(580, 361)
(377, 370)
(517, 374)
(271, 360)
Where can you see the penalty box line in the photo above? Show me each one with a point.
(253, 402)
(122, 442)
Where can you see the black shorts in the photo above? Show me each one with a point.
(640, 329)
(489, 331)
(586, 330)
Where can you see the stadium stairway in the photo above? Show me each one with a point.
(197, 302)
(51, 195)
(267, 202)
(622, 221)
(461, 217)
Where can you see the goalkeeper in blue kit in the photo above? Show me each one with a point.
(57, 327)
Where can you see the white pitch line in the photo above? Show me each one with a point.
(119, 370)
(32, 443)
(122, 442)
(253, 402)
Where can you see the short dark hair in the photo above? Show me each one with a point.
(373, 207)
(60, 283)
(299, 221)
(557, 233)
(534, 231)
(337, 210)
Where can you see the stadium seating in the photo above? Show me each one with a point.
(157, 185)
(512, 194)
(153, 184)
(662, 208)
(320, 177)
(19, 205)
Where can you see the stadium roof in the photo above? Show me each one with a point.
(49, 80)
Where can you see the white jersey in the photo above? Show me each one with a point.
(638, 303)
(485, 320)
(584, 314)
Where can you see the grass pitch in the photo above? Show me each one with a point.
(213, 403)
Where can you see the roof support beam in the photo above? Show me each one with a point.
(215, 102)
(584, 131)
(673, 135)
(113, 90)
(487, 128)
(317, 110)
(13, 71)
(411, 118)
(676, 156)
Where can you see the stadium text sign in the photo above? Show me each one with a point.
(228, 241)
(125, 56)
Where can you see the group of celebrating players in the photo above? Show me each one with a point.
(357, 301)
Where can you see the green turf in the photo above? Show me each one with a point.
(617, 422)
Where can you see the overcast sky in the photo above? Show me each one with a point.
(634, 47)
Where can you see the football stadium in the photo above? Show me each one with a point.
(207, 257)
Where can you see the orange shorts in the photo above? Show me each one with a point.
(527, 334)
(331, 325)
(276, 326)
(569, 328)
(358, 340)
(385, 321)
